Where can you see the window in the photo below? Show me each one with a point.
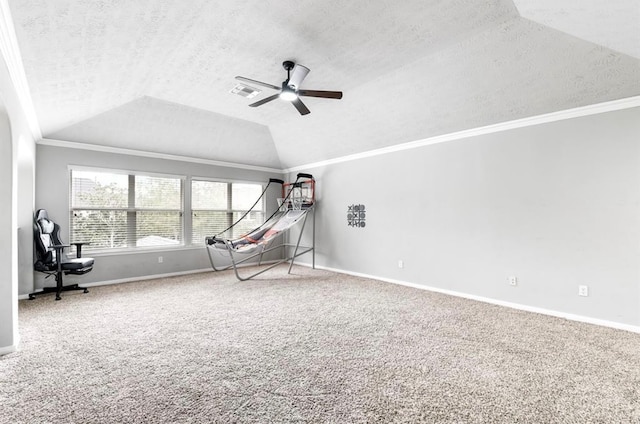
(217, 205)
(111, 210)
(129, 210)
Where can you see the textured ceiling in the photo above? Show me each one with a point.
(155, 75)
(613, 24)
(133, 125)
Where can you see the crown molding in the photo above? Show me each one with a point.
(12, 57)
(594, 109)
(153, 155)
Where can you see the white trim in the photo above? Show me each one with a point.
(578, 112)
(13, 58)
(143, 278)
(132, 279)
(151, 277)
(120, 171)
(4, 350)
(227, 180)
(126, 251)
(153, 155)
(518, 306)
(594, 109)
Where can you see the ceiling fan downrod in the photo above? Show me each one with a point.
(288, 66)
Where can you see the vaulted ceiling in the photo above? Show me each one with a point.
(156, 75)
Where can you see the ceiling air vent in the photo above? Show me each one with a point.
(245, 91)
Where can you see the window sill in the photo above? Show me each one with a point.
(140, 250)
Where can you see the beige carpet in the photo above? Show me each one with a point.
(309, 347)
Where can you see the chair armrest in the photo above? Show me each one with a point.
(59, 248)
(78, 246)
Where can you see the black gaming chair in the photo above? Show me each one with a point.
(49, 257)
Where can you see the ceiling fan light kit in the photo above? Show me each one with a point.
(290, 90)
(288, 94)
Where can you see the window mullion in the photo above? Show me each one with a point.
(187, 222)
(229, 206)
(131, 212)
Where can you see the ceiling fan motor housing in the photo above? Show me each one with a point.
(288, 65)
(290, 90)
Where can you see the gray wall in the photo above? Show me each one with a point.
(52, 193)
(557, 205)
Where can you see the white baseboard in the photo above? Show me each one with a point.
(527, 308)
(149, 277)
(143, 278)
(519, 306)
(4, 350)
(130, 279)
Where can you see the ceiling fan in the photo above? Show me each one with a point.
(290, 89)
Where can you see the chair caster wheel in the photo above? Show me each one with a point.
(58, 298)
(31, 297)
(86, 291)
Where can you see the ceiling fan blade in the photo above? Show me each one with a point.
(265, 100)
(264, 84)
(298, 74)
(301, 107)
(320, 93)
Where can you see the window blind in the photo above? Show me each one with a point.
(112, 210)
(217, 205)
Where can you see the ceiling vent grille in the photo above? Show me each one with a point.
(245, 91)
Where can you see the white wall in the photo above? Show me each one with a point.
(25, 172)
(52, 194)
(17, 157)
(7, 240)
(556, 204)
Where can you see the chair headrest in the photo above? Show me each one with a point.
(42, 218)
(41, 214)
(46, 226)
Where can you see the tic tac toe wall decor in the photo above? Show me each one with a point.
(356, 216)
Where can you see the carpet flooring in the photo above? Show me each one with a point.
(313, 346)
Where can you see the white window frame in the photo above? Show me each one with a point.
(131, 211)
(229, 211)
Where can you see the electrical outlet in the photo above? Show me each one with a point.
(400, 263)
(513, 281)
(160, 259)
(583, 290)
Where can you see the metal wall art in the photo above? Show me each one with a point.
(355, 216)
